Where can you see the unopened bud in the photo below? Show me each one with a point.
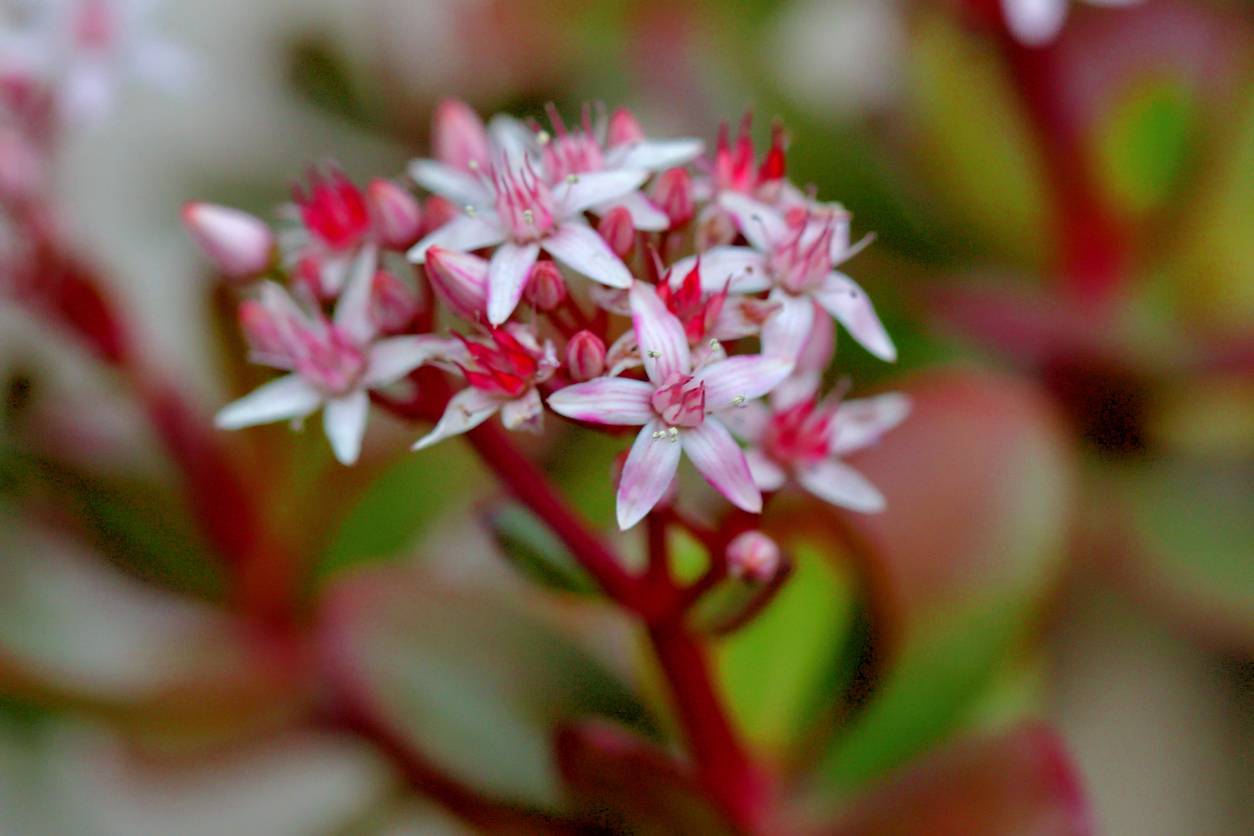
(436, 212)
(458, 137)
(393, 306)
(397, 215)
(239, 244)
(618, 230)
(672, 192)
(460, 280)
(585, 356)
(262, 334)
(546, 289)
(753, 557)
(624, 128)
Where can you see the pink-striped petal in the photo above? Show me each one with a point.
(739, 379)
(647, 474)
(861, 422)
(507, 276)
(660, 335)
(743, 268)
(459, 187)
(344, 420)
(460, 280)
(525, 414)
(614, 401)
(761, 225)
(581, 249)
(463, 233)
(748, 422)
(767, 475)
(352, 311)
(288, 397)
(644, 215)
(655, 154)
(785, 333)
(466, 410)
(842, 298)
(717, 456)
(393, 358)
(841, 485)
(583, 191)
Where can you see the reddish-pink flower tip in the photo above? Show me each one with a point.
(585, 356)
(239, 244)
(624, 128)
(618, 230)
(672, 192)
(397, 215)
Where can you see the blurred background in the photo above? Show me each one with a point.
(1064, 256)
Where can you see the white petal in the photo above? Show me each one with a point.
(393, 358)
(463, 233)
(587, 190)
(739, 269)
(525, 413)
(644, 215)
(460, 187)
(767, 475)
(859, 423)
(1035, 22)
(288, 397)
(608, 400)
(713, 451)
(841, 485)
(580, 248)
(512, 138)
(843, 299)
(660, 335)
(344, 420)
(742, 378)
(466, 410)
(352, 311)
(748, 422)
(656, 155)
(507, 277)
(760, 224)
(785, 333)
(647, 474)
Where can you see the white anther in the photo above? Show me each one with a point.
(654, 354)
(543, 137)
(473, 165)
(527, 215)
(572, 178)
(674, 434)
(470, 211)
(739, 400)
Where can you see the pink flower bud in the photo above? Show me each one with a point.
(619, 232)
(262, 333)
(393, 306)
(397, 215)
(436, 212)
(460, 280)
(624, 128)
(239, 244)
(672, 192)
(458, 136)
(585, 356)
(753, 557)
(546, 289)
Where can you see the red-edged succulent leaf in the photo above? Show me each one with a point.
(1019, 784)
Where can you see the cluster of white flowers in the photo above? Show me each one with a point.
(694, 253)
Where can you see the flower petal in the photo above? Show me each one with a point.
(785, 333)
(742, 378)
(580, 248)
(1034, 22)
(713, 451)
(583, 191)
(748, 422)
(525, 413)
(507, 276)
(647, 474)
(344, 420)
(466, 410)
(655, 154)
(392, 359)
(463, 233)
(352, 311)
(290, 396)
(760, 224)
(512, 139)
(841, 485)
(609, 400)
(744, 268)
(767, 475)
(660, 335)
(842, 298)
(644, 215)
(460, 187)
(861, 422)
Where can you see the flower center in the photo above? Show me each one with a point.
(334, 211)
(524, 203)
(328, 358)
(505, 368)
(803, 259)
(680, 401)
(798, 435)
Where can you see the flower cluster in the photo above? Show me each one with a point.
(619, 280)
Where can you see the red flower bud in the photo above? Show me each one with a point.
(397, 215)
(546, 289)
(672, 192)
(585, 356)
(239, 244)
(393, 306)
(752, 556)
(618, 230)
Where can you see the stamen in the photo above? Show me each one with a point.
(470, 211)
(654, 354)
(659, 435)
(674, 434)
(572, 178)
(739, 400)
(715, 345)
(543, 137)
(473, 165)
(527, 215)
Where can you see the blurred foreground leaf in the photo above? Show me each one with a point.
(535, 550)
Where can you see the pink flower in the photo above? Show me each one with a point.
(674, 406)
(1038, 22)
(503, 376)
(333, 363)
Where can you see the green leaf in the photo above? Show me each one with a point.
(535, 550)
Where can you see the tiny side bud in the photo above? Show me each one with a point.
(585, 356)
(546, 289)
(672, 192)
(239, 244)
(393, 306)
(753, 557)
(397, 215)
(618, 230)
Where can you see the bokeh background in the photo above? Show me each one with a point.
(1064, 255)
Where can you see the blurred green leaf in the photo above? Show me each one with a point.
(535, 550)
(1143, 146)
(319, 72)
